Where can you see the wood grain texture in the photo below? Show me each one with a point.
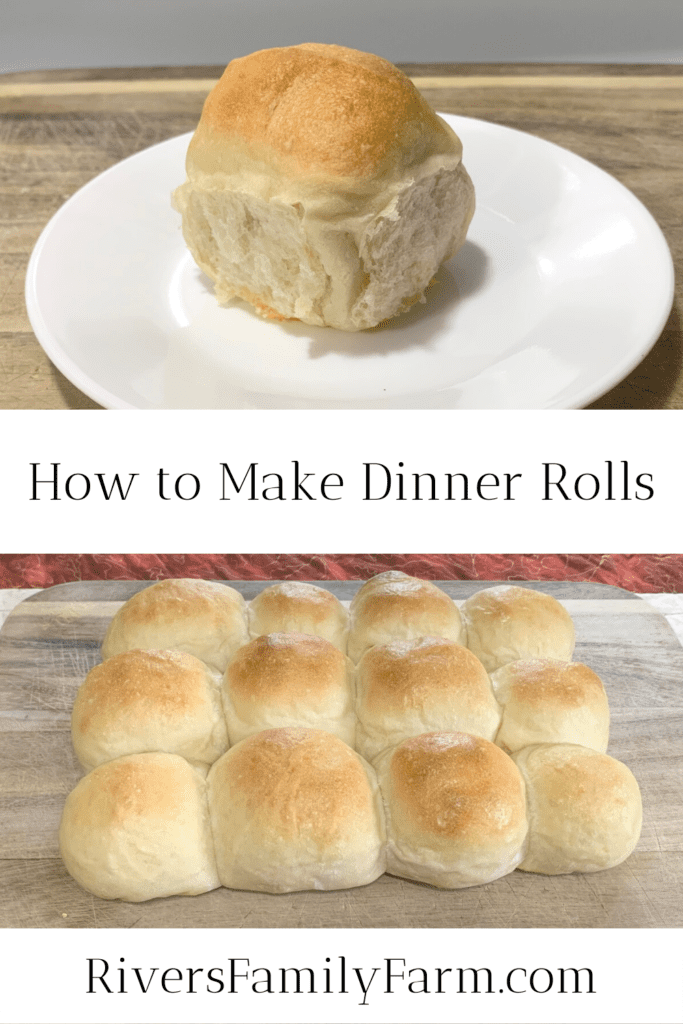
(60, 129)
(51, 640)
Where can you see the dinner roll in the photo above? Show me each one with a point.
(585, 810)
(138, 827)
(546, 701)
(202, 618)
(407, 687)
(295, 809)
(455, 810)
(292, 607)
(289, 679)
(322, 187)
(394, 606)
(509, 623)
(148, 700)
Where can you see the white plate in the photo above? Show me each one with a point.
(564, 284)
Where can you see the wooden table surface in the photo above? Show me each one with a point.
(59, 129)
(50, 641)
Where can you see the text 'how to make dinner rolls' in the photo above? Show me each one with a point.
(373, 481)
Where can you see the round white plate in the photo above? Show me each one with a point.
(564, 284)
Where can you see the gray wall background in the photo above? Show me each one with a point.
(41, 34)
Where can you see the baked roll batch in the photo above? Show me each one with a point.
(260, 755)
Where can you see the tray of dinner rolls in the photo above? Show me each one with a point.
(393, 752)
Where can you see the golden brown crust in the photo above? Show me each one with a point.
(510, 623)
(138, 683)
(453, 784)
(505, 601)
(395, 606)
(321, 109)
(292, 607)
(138, 827)
(550, 701)
(428, 601)
(281, 599)
(391, 581)
(511, 601)
(168, 598)
(573, 777)
(585, 808)
(545, 681)
(201, 617)
(405, 673)
(290, 665)
(135, 786)
(298, 781)
(397, 595)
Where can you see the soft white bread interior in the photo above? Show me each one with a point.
(585, 809)
(394, 606)
(455, 810)
(547, 701)
(293, 607)
(322, 187)
(206, 619)
(408, 687)
(138, 827)
(510, 623)
(149, 700)
(295, 809)
(287, 679)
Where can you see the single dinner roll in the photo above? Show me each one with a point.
(508, 623)
(546, 701)
(585, 810)
(137, 828)
(407, 687)
(394, 606)
(322, 187)
(285, 679)
(455, 810)
(292, 607)
(202, 618)
(148, 700)
(295, 809)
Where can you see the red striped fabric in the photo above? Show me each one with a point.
(637, 573)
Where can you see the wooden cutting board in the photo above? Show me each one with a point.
(51, 640)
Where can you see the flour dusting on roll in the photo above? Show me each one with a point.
(321, 186)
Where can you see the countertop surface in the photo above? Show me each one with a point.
(60, 129)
